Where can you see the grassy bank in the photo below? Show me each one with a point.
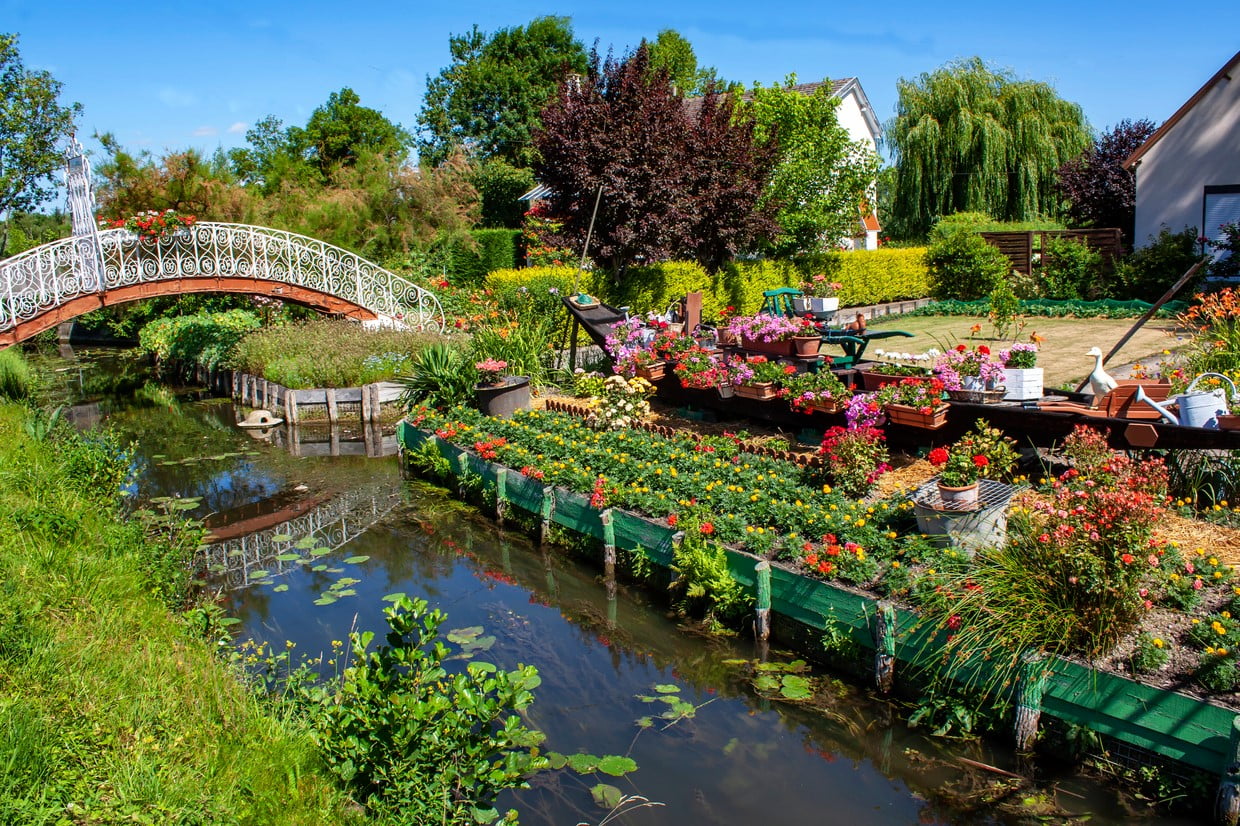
(111, 709)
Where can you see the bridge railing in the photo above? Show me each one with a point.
(45, 277)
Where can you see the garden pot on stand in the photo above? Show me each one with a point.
(958, 498)
(806, 346)
(504, 398)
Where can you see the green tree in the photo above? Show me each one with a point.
(185, 181)
(822, 178)
(488, 99)
(672, 53)
(32, 123)
(967, 137)
(337, 134)
(500, 184)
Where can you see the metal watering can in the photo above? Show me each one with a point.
(1200, 409)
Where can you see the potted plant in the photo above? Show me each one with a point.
(895, 367)
(818, 295)
(701, 369)
(807, 341)
(759, 378)
(984, 453)
(498, 394)
(972, 369)
(1022, 376)
(823, 391)
(914, 401)
(762, 333)
(632, 347)
(152, 226)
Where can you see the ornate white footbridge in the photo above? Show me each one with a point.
(96, 268)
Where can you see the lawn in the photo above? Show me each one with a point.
(1066, 340)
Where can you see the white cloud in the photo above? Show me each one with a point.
(205, 131)
(237, 128)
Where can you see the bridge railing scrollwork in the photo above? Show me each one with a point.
(46, 277)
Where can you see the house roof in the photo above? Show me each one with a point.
(1170, 123)
(839, 88)
(537, 193)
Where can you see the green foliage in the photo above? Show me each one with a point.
(488, 99)
(1151, 270)
(963, 266)
(1149, 654)
(418, 743)
(525, 344)
(32, 125)
(1003, 307)
(969, 137)
(874, 276)
(703, 582)
(981, 222)
(487, 250)
(207, 339)
(821, 177)
(325, 353)
(442, 376)
(672, 53)
(533, 294)
(1068, 269)
(1048, 308)
(17, 382)
(499, 185)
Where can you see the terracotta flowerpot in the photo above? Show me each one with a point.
(958, 498)
(913, 417)
(761, 391)
(1228, 421)
(503, 399)
(806, 346)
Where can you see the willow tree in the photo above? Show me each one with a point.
(967, 137)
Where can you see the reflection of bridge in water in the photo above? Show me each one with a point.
(254, 537)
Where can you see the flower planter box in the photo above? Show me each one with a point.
(913, 417)
(771, 348)
(652, 372)
(761, 391)
(825, 407)
(1023, 384)
(871, 380)
(814, 304)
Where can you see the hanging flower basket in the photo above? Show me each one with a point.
(930, 419)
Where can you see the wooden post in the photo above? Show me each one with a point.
(572, 346)
(290, 397)
(885, 646)
(1029, 698)
(333, 414)
(546, 511)
(333, 439)
(366, 414)
(263, 393)
(1227, 802)
(501, 494)
(294, 440)
(376, 406)
(762, 622)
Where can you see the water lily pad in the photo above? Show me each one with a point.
(795, 688)
(260, 574)
(356, 560)
(280, 588)
(320, 567)
(281, 537)
(320, 551)
(464, 635)
(326, 599)
(345, 592)
(305, 543)
(289, 557)
(667, 688)
(606, 796)
(335, 570)
(583, 763)
(555, 760)
(616, 765)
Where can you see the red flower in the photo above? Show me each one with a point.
(983, 349)
(671, 519)
(707, 528)
(938, 456)
(980, 461)
(960, 348)
(1126, 558)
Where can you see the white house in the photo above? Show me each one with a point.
(1188, 172)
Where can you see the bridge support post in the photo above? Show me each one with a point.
(367, 413)
(333, 414)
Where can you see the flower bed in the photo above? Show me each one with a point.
(1181, 728)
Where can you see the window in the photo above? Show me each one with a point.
(1221, 206)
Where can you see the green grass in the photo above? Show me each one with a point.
(111, 710)
(1062, 353)
(16, 380)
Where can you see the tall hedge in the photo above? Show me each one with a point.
(495, 249)
(869, 277)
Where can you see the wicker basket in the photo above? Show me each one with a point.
(977, 396)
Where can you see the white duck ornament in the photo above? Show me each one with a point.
(1100, 381)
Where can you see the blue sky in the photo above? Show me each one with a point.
(169, 76)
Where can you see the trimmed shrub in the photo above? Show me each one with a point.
(963, 266)
(877, 276)
(534, 293)
(1069, 269)
(1150, 271)
(494, 249)
(981, 222)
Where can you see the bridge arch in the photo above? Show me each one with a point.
(59, 281)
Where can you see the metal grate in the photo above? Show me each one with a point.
(990, 494)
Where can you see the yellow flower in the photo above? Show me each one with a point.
(895, 563)
(1158, 643)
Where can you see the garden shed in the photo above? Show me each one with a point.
(1188, 172)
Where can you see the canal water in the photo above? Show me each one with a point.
(736, 758)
